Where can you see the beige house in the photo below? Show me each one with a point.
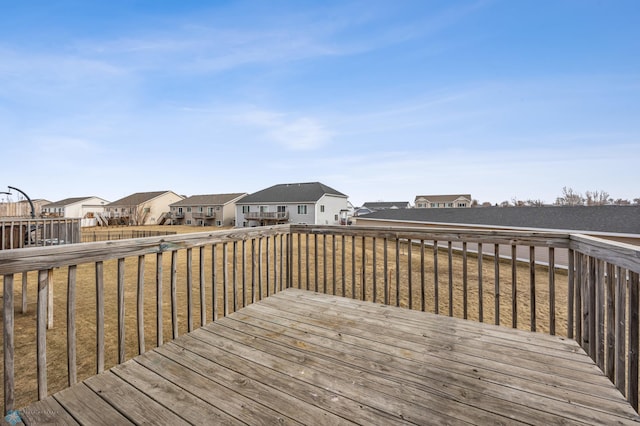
(205, 210)
(141, 208)
(443, 201)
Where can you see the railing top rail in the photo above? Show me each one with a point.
(618, 253)
(42, 258)
(531, 238)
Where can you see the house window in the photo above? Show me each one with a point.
(282, 209)
(218, 208)
(245, 209)
(188, 221)
(302, 209)
(434, 205)
(264, 209)
(210, 211)
(449, 204)
(188, 209)
(200, 209)
(462, 204)
(335, 218)
(218, 223)
(321, 209)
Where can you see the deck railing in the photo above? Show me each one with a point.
(20, 233)
(576, 286)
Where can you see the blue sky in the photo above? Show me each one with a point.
(382, 100)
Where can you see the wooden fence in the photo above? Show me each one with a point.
(595, 300)
(121, 234)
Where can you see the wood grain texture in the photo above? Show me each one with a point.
(300, 357)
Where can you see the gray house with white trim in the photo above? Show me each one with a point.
(308, 202)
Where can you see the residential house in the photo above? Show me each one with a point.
(206, 210)
(443, 201)
(384, 205)
(141, 208)
(310, 202)
(86, 208)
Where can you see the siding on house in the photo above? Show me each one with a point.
(155, 203)
(207, 210)
(443, 201)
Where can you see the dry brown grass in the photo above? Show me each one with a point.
(25, 337)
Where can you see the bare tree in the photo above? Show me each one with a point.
(504, 204)
(535, 203)
(139, 214)
(570, 198)
(621, 202)
(636, 201)
(597, 198)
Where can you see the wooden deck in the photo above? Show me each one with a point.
(300, 357)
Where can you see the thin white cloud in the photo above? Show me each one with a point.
(293, 133)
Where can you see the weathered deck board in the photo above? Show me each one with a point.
(300, 357)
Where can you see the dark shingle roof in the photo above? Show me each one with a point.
(67, 201)
(208, 199)
(616, 219)
(308, 192)
(137, 198)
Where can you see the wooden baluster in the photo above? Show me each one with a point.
(610, 282)
(41, 334)
(410, 274)
(397, 271)
(72, 369)
(480, 289)
(100, 317)
(121, 329)
(244, 273)
(436, 279)
(552, 292)
(363, 285)
(159, 332)
(234, 275)
(214, 282)
(514, 287)
(532, 287)
(620, 328)
(174, 294)
(423, 299)
(225, 280)
(450, 257)
(8, 342)
(634, 304)
(385, 260)
(203, 300)
(465, 282)
(189, 284)
(140, 304)
(496, 291)
(600, 303)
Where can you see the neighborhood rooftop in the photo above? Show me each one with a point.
(291, 193)
(615, 219)
(68, 201)
(137, 198)
(209, 199)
